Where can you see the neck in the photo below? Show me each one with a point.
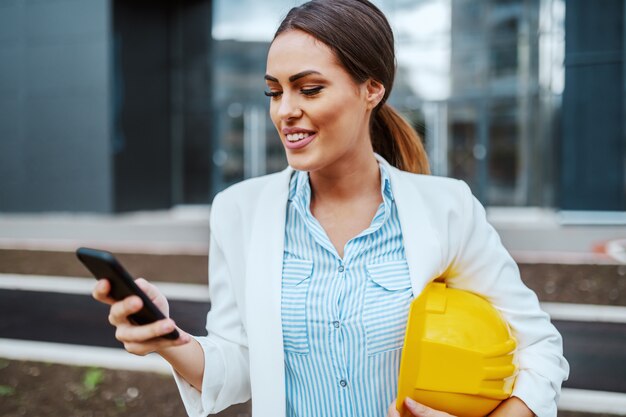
(352, 178)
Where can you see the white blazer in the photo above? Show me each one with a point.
(445, 234)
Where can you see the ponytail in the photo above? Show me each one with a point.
(394, 139)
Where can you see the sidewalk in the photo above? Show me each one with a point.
(530, 233)
(181, 230)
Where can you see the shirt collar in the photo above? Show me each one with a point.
(300, 190)
(385, 183)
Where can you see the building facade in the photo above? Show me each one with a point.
(120, 105)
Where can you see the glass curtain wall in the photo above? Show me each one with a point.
(480, 80)
(506, 82)
(245, 141)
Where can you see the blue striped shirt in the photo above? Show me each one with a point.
(343, 318)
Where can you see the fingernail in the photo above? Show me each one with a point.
(167, 327)
(410, 402)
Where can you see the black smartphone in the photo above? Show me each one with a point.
(102, 264)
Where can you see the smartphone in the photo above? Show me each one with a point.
(102, 264)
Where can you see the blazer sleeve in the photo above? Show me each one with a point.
(226, 378)
(482, 265)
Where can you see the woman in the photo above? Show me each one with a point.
(312, 269)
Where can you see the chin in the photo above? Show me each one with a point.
(298, 164)
(302, 161)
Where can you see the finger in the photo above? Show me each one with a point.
(101, 291)
(151, 291)
(392, 412)
(122, 309)
(156, 344)
(420, 410)
(139, 334)
(417, 409)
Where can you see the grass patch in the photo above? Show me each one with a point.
(92, 378)
(6, 390)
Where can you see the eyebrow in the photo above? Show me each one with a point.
(293, 77)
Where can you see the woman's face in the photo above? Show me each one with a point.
(321, 114)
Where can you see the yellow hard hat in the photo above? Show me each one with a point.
(458, 353)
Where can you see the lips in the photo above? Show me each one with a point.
(296, 138)
(301, 143)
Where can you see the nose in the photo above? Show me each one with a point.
(288, 108)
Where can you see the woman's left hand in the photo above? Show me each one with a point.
(416, 410)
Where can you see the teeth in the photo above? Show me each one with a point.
(294, 137)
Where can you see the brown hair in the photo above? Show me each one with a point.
(360, 35)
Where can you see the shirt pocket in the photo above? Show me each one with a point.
(295, 288)
(388, 296)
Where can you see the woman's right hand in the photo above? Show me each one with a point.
(139, 339)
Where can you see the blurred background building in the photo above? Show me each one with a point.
(121, 105)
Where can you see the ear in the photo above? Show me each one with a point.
(375, 91)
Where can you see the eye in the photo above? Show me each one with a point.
(311, 91)
(272, 94)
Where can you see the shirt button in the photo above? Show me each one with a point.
(343, 383)
(341, 268)
(336, 324)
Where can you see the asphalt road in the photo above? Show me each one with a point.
(596, 351)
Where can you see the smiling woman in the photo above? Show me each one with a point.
(321, 114)
(312, 270)
(355, 60)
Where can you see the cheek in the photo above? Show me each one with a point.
(349, 126)
(339, 115)
(324, 115)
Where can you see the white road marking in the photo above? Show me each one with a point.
(593, 401)
(585, 312)
(200, 293)
(80, 355)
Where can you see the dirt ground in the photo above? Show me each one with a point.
(37, 389)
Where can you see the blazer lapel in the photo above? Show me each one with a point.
(421, 242)
(263, 296)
